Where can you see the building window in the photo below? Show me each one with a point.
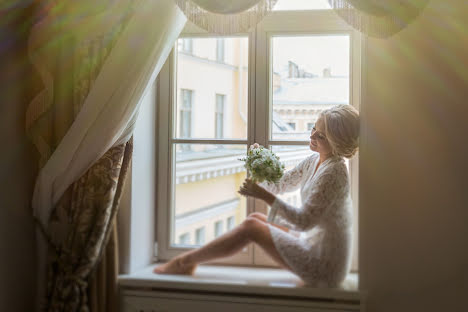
(292, 125)
(220, 50)
(185, 122)
(219, 115)
(186, 45)
(231, 223)
(184, 239)
(218, 228)
(312, 65)
(310, 126)
(200, 236)
(185, 117)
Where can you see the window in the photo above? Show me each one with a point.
(186, 45)
(310, 126)
(200, 236)
(231, 223)
(184, 239)
(270, 89)
(292, 125)
(218, 228)
(185, 120)
(220, 50)
(219, 115)
(185, 124)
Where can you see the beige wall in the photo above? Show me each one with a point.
(413, 195)
(17, 168)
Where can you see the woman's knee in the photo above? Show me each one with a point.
(252, 226)
(258, 216)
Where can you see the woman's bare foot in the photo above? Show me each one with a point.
(175, 266)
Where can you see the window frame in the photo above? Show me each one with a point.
(166, 94)
(319, 22)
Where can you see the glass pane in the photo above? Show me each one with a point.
(284, 5)
(309, 74)
(212, 72)
(291, 156)
(206, 202)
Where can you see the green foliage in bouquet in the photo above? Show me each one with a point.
(263, 164)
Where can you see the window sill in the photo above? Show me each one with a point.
(241, 281)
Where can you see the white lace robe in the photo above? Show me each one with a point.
(321, 254)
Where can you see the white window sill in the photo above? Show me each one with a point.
(242, 281)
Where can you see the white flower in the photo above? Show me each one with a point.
(255, 145)
(263, 164)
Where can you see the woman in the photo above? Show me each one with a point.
(320, 253)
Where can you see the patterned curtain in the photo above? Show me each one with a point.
(82, 237)
(96, 59)
(80, 228)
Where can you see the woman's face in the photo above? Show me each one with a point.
(318, 140)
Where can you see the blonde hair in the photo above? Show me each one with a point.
(341, 125)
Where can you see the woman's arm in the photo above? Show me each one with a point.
(291, 180)
(327, 189)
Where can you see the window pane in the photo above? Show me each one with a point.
(185, 113)
(218, 228)
(219, 115)
(291, 156)
(284, 5)
(184, 239)
(309, 74)
(220, 50)
(209, 67)
(200, 236)
(207, 178)
(231, 223)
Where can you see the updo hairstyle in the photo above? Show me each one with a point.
(341, 125)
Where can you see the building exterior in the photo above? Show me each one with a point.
(212, 85)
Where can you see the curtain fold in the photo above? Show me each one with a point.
(103, 288)
(110, 110)
(226, 17)
(378, 18)
(83, 223)
(81, 123)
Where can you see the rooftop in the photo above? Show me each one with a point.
(316, 91)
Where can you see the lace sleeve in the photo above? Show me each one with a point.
(291, 180)
(326, 190)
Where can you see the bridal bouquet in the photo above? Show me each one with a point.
(263, 164)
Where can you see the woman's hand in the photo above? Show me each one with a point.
(252, 189)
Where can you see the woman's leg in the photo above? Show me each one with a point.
(251, 230)
(263, 217)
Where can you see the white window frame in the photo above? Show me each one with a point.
(320, 22)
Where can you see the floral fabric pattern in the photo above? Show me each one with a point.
(82, 222)
(80, 228)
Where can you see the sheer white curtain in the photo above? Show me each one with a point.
(378, 18)
(108, 115)
(109, 112)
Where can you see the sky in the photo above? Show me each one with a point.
(301, 5)
(312, 53)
